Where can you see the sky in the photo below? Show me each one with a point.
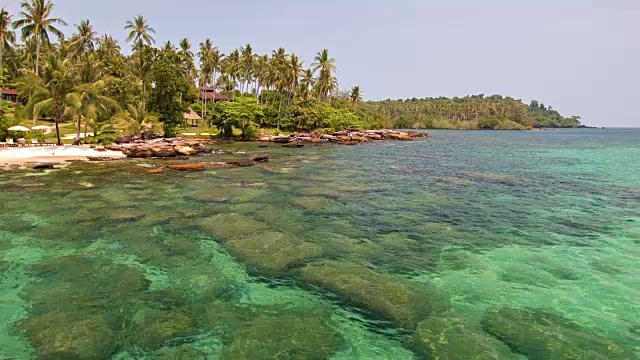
(580, 56)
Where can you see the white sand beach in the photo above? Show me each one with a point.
(52, 154)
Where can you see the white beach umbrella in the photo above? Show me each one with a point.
(44, 128)
(18, 128)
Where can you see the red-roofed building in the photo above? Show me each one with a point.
(9, 95)
(209, 93)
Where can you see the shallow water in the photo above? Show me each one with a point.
(463, 245)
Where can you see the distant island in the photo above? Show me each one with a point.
(470, 112)
(91, 91)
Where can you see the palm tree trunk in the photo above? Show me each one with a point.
(144, 95)
(78, 129)
(1, 68)
(37, 54)
(58, 132)
(86, 123)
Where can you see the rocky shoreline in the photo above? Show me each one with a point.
(136, 147)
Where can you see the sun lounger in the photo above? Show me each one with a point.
(48, 142)
(35, 142)
(11, 143)
(22, 142)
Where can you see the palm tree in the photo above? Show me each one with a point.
(355, 96)
(51, 94)
(88, 102)
(137, 119)
(84, 41)
(326, 65)
(107, 47)
(7, 37)
(37, 23)
(186, 58)
(139, 32)
(246, 65)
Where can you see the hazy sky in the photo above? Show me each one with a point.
(580, 56)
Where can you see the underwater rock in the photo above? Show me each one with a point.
(284, 335)
(80, 284)
(542, 335)
(241, 163)
(182, 352)
(453, 338)
(69, 336)
(257, 245)
(187, 167)
(152, 328)
(403, 302)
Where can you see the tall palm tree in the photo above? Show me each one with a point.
(7, 37)
(139, 32)
(84, 41)
(37, 23)
(185, 56)
(294, 72)
(51, 94)
(326, 65)
(246, 64)
(355, 96)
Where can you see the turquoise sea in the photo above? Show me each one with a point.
(463, 245)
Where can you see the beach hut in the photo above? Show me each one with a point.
(193, 117)
(9, 95)
(209, 94)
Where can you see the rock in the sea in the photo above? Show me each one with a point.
(282, 139)
(163, 151)
(242, 162)
(187, 167)
(182, 352)
(374, 136)
(451, 338)
(185, 150)
(260, 158)
(403, 302)
(57, 335)
(284, 335)
(44, 166)
(151, 328)
(293, 145)
(542, 335)
(259, 246)
(138, 152)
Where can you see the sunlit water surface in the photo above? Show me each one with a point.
(462, 245)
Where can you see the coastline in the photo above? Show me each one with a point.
(53, 155)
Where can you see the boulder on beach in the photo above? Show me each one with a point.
(403, 302)
(242, 162)
(163, 151)
(293, 145)
(138, 152)
(187, 167)
(185, 150)
(542, 335)
(282, 139)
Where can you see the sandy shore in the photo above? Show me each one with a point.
(52, 154)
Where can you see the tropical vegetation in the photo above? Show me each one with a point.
(87, 79)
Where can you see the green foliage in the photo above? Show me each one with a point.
(488, 123)
(5, 123)
(167, 94)
(244, 114)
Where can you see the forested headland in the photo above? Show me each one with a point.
(89, 81)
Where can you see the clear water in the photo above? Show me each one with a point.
(463, 245)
